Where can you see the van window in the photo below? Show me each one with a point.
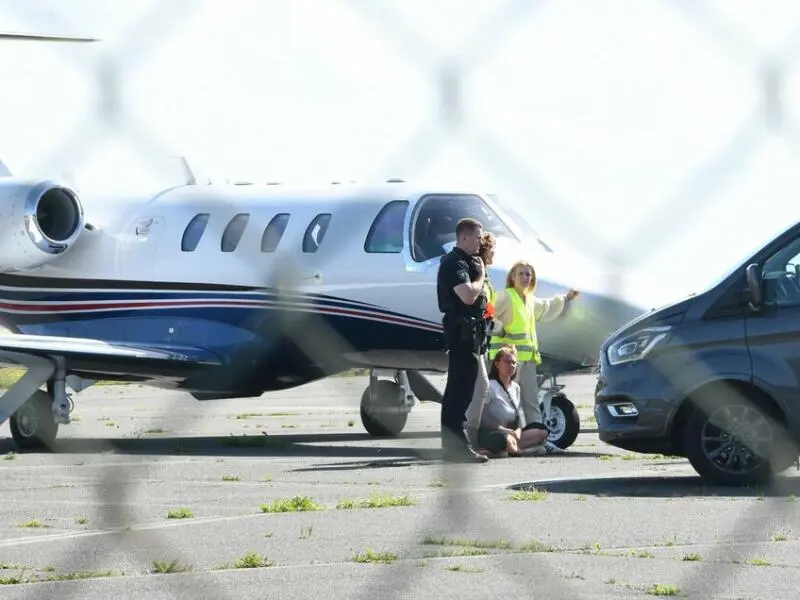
(193, 232)
(436, 219)
(233, 232)
(274, 232)
(386, 233)
(315, 232)
(781, 275)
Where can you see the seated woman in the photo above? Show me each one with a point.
(501, 430)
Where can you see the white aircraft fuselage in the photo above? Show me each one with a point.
(278, 285)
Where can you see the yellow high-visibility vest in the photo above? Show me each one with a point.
(491, 295)
(520, 332)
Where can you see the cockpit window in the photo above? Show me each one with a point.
(437, 216)
(386, 234)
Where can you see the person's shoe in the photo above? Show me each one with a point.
(551, 448)
(464, 454)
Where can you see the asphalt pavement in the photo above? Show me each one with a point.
(155, 495)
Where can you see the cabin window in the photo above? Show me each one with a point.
(315, 232)
(386, 234)
(193, 232)
(233, 232)
(274, 232)
(436, 219)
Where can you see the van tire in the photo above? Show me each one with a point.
(782, 452)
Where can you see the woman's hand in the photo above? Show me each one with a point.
(511, 443)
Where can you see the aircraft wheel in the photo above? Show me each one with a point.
(32, 424)
(563, 422)
(734, 441)
(386, 417)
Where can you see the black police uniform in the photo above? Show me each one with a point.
(465, 335)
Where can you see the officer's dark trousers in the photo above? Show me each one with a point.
(461, 374)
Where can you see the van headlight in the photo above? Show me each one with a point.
(637, 345)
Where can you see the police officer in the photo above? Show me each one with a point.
(462, 298)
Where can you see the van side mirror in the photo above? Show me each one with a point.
(754, 288)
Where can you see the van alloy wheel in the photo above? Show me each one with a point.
(737, 439)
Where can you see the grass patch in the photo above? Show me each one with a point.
(370, 556)
(249, 560)
(692, 557)
(84, 575)
(377, 501)
(155, 430)
(33, 524)
(82, 520)
(180, 513)
(296, 504)
(464, 569)
(169, 567)
(537, 546)
(10, 456)
(467, 543)
(779, 537)
(437, 483)
(641, 554)
(759, 562)
(231, 478)
(529, 495)
(663, 589)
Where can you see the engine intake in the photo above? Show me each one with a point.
(39, 221)
(57, 215)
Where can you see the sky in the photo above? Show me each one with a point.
(629, 130)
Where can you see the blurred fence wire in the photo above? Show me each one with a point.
(459, 508)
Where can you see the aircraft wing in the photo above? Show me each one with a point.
(107, 358)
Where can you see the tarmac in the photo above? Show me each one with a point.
(155, 495)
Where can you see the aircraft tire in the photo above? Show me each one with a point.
(32, 424)
(564, 422)
(380, 423)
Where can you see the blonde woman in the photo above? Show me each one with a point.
(517, 310)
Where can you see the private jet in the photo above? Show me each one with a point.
(229, 291)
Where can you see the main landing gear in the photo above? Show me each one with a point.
(34, 414)
(385, 404)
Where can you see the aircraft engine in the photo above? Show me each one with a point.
(39, 221)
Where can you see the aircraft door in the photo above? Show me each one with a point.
(137, 249)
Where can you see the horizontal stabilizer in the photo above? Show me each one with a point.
(96, 349)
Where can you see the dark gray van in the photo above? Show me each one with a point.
(714, 377)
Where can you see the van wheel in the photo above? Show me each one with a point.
(731, 440)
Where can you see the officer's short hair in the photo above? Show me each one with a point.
(467, 224)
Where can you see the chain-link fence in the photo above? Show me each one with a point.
(539, 97)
